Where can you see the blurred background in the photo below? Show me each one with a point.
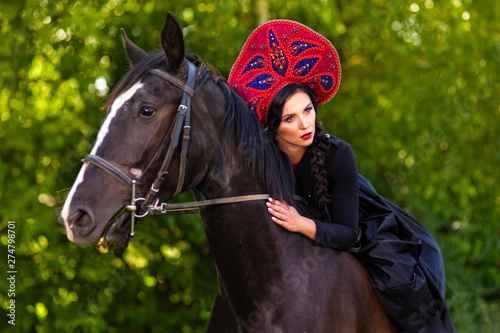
(419, 102)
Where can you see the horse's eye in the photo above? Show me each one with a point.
(147, 111)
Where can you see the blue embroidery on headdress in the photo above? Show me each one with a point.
(299, 46)
(304, 66)
(278, 59)
(256, 62)
(261, 82)
(327, 82)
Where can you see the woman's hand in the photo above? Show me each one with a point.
(288, 217)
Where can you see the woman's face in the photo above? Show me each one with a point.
(296, 130)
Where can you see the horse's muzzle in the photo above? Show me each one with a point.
(116, 236)
(81, 223)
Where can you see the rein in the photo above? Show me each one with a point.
(180, 125)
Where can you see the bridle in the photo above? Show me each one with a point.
(181, 124)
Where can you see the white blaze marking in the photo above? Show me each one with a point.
(65, 210)
(117, 104)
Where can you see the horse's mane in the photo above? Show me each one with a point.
(260, 151)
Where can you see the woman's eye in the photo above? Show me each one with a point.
(289, 119)
(147, 111)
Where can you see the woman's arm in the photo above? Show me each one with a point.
(341, 232)
(288, 217)
(332, 235)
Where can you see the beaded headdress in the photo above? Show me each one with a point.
(281, 52)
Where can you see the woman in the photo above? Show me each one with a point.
(283, 73)
(293, 110)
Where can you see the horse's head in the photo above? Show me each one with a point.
(132, 145)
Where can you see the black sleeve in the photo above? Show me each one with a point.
(343, 181)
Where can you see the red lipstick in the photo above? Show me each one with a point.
(306, 136)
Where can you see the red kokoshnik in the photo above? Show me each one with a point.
(281, 52)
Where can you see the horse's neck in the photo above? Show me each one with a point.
(247, 246)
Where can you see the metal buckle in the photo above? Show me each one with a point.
(153, 189)
(182, 109)
(164, 208)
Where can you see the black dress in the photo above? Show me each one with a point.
(401, 257)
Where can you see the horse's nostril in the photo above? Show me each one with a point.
(82, 224)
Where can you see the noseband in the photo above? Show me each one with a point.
(181, 124)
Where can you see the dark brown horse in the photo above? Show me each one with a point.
(270, 280)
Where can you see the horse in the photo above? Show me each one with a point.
(173, 126)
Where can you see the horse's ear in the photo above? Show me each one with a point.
(172, 42)
(134, 52)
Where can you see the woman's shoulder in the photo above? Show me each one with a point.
(341, 161)
(337, 145)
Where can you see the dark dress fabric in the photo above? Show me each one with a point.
(401, 257)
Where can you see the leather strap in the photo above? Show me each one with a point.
(186, 130)
(109, 168)
(187, 207)
(181, 119)
(172, 79)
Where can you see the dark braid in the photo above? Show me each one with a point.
(318, 152)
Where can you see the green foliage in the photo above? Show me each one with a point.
(419, 102)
